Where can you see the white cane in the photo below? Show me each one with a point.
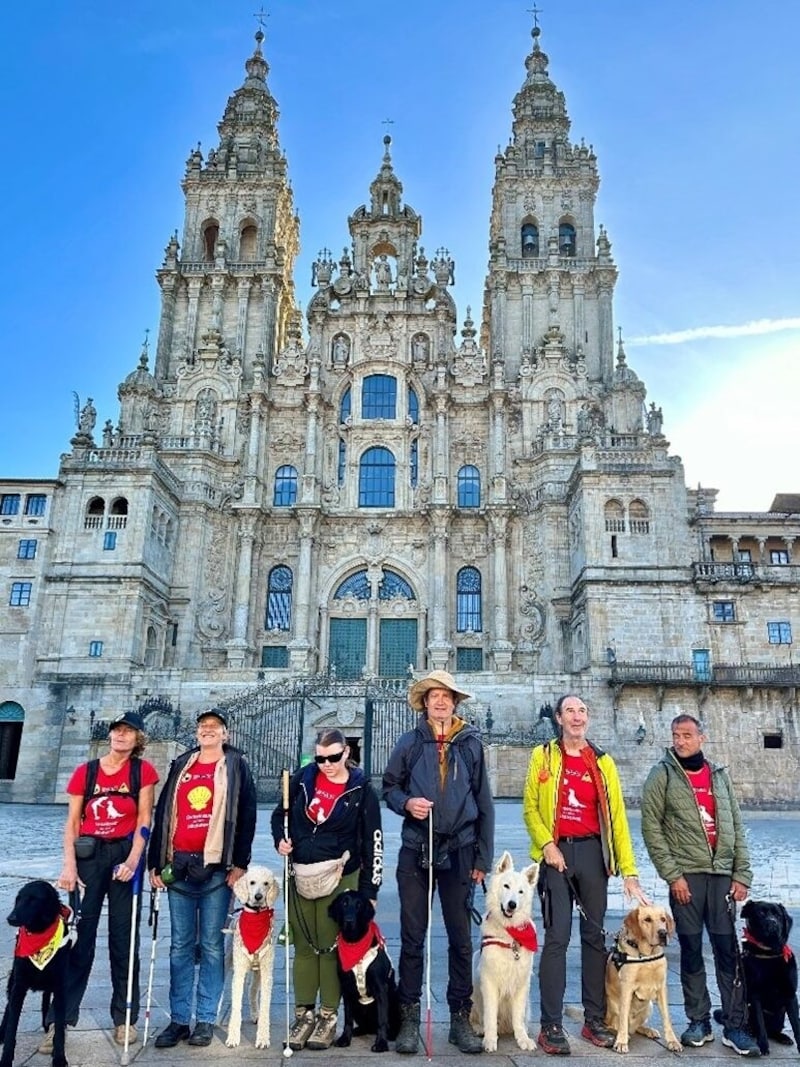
(428, 1019)
(287, 1050)
(137, 888)
(155, 899)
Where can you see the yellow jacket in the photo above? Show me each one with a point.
(541, 795)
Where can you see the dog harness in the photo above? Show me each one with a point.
(40, 948)
(255, 926)
(764, 950)
(521, 937)
(620, 958)
(358, 956)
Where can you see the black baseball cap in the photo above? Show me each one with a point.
(218, 713)
(129, 718)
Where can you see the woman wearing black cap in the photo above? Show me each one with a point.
(110, 801)
(202, 835)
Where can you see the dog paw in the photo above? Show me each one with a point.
(674, 1045)
(527, 1044)
(262, 1042)
(621, 1047)
(380, 1045)
(649, 1031)
(233, 1040)
(490, 1044)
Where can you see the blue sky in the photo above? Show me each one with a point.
(692, 109)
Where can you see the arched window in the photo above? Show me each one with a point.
(248, 243)
(614, 516)
(529, 236)
(285, 493)
(639, 515)
(12, 718)
(357, 586)
(279, 599)
(413, 407)
(469, 487)
(393, 585)
(376, 479)
(95, 514)
(151, 647)
(566, 239)
(210, 235)
(379, 397)
(118, 514)
(468, 600)
(345, 405)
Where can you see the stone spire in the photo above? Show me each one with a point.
(249, 125)
(539, 107)
(387, 189)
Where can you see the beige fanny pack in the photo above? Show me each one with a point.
(315, 880)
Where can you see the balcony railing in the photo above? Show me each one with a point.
(722, 674)
(723, 572)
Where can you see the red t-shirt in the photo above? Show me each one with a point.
(194, 801)
(112, 811)
(578, 814)
(326, 793)
(700, 781)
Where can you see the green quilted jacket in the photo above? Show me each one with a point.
(673, 830)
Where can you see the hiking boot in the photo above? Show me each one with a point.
(407, 1042)
(740, 1041)
(119, 1034)
(596, 1031)
(697, 1033)
(461, 1033)
(324, 1030)
(172, 1034)
(302, 1030)
(553, 1040)
(46, 1047)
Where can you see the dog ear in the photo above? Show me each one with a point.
(505, 863)
(632, 926)
(531, 872)
(670, 925)
(786, 923)
(274, 890)
(746, 909)
(335, 909)
(240, 888)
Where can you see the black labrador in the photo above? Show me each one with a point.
(41, 959)
(366, 974)
(770, 973)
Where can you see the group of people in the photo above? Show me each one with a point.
(328, 830)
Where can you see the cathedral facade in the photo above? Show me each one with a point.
(385, 486)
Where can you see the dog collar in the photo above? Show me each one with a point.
(521, 937)
(785, 950)
(255, 928)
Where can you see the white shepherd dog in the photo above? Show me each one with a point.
(503, 965)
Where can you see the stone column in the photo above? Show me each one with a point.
(439, 646)
(267, 344)
(195, 285)
(243, 291)
(440, 464)
(169, 293)
(301, 645)
(501, 646)
(238, 647)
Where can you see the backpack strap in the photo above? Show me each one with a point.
(92, 770)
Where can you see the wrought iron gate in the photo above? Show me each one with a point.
(267, 726)
(387, 715)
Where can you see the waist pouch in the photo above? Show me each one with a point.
(315, 880)
(85, 847)
(191, 867)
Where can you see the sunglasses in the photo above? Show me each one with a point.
(319, 760)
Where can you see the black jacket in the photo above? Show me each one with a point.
(354, 826)
(463, 808)
(240, 812)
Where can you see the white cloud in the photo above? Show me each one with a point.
(757, 328)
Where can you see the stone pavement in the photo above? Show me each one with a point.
(31, 849)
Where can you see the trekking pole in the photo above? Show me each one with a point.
(137, 889)
(287, 1050)
(428, 1019)
(152, 921)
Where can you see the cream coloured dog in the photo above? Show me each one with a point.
(253, 930)
(636, 975)
(502, 967)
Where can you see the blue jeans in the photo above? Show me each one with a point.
(197, 915)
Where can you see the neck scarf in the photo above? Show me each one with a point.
(254, 927)
(41, 947)
(352, 952)
(691, 763)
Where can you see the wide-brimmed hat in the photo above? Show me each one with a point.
(434, 680)
(129, 718)
(218, 713)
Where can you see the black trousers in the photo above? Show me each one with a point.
(453, 886)
(709, 908)
(96, 874)
(587, 870)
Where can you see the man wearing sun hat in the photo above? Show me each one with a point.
(437, 771)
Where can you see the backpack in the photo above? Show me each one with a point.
(92, 769)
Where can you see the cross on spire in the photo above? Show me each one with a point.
(536, 12)
(261, 15)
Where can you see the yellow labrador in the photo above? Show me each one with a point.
(636, 975)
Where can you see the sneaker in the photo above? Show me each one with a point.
(596, 1031)
(697, 1033)
(46, 1047)
(302, 1030)
(119, 1034)
(740, 1041)
(553, 1040)
(324, 1030)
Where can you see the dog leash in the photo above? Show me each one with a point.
(582, 910)
(469, 903)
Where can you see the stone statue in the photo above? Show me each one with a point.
(655, 420)
(108, 434)
(88, 418)
(419, 348)
(341, 350)
(383, 273)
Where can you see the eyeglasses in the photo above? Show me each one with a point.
(319, 760)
